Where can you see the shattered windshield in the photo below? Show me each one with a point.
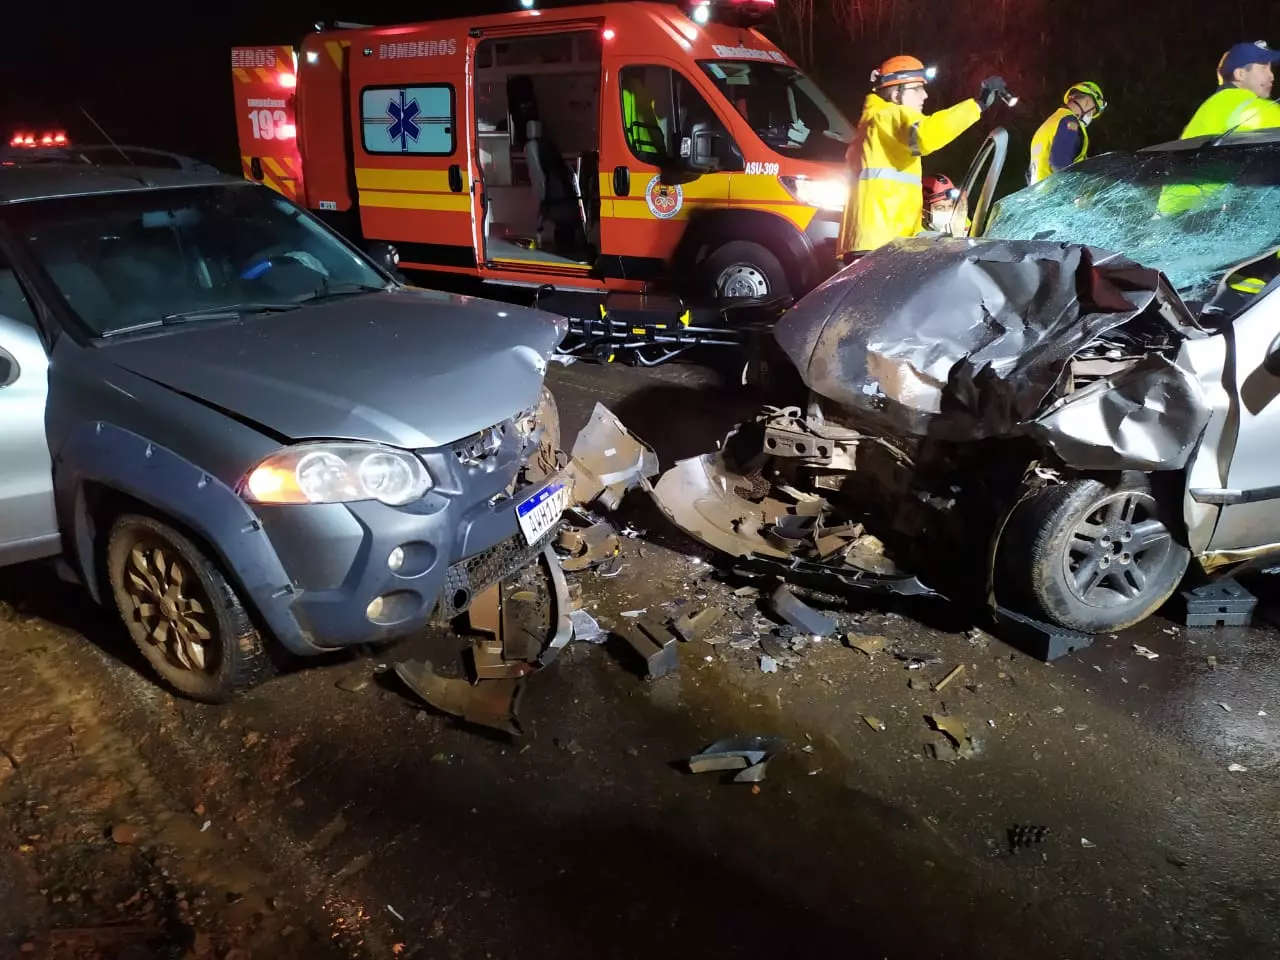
(784, 107)
(1191, 215)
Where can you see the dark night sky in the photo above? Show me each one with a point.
(159, 75)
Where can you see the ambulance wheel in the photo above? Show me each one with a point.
(741, 268)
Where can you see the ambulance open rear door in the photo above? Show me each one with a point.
(265, 80)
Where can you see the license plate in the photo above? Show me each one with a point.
(542, 511)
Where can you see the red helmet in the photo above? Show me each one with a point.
(899, 70)
(939, 187)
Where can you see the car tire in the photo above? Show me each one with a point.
(741, 268)
(1094, 557)
(159, 578)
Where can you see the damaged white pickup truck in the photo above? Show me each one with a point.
(1027, 416)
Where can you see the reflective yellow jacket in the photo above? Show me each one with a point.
(885, 199)
(1062, 128)
(1232, 107)
(1229, 108)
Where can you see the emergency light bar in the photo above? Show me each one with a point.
(33, 140)
(734, 13)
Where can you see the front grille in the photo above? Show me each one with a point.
(478, 447)
(467, 578)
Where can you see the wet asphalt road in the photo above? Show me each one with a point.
(587, 840)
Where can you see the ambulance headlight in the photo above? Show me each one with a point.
(825, 194)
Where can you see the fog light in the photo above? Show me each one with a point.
(395, 560)
(374, 610)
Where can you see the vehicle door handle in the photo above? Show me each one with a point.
(455, 178)
(621, 182)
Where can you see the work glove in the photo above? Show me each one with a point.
(992, 88)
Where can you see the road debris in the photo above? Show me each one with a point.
(1087, 843)
(353, 684)
(955, 742)
(1225, 706)
(873, 722)
(768, 664)
(693, 627)
(1142, 651)
(799, 614)
(1237, 768)
(608, 460)
(586, 629)
(490, 703)
(125, 834)
(656, 645)
(869, 644)
(750, 755)
(1022, 836)
(1212, 661)
(585, 549)
(954, 672)
(395, 913)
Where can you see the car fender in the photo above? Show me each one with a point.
(102, 454)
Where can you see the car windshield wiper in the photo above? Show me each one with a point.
(327, 290)
(229, 312)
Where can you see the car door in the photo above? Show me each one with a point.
(1251, 496)
(28, 522)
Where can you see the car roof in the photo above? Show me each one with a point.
(41, 181)
(1244, 138)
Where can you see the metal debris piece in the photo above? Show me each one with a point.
(1236, 768)
(656, 645)
(873, 722)
(957, 745)
(869, 644)
(586, 629)
(742, 642)
(1225, 706)
(1142, 651)
(634, 614)
(691, 627)
(563, 607)
(607, 460)
(915, 659)
(1213, 662)
(490, 703)
(596, 545)
(1022, 836)
(491, 665)
(1087, 843)
(799, 614)
(747, 592)
(768, 664)
(955, 672)
(750, 755)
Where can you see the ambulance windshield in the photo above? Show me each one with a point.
(784, 107)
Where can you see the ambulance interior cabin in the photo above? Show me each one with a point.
(537, 129)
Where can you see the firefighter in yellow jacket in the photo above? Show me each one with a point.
(885, 199)
(1243, 98)
(1063, 139)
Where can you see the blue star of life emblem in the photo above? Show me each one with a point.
(403, 127)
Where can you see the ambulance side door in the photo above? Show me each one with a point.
(265, 82)
(647, 202)
(411, 150)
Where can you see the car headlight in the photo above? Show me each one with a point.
(337, 473)
(829, 194)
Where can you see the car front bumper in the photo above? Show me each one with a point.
(455, 542)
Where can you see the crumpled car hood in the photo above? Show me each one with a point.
(412, 368)
(961, 339)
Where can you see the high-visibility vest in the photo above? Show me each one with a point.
(1042, 144)
(1232, 108)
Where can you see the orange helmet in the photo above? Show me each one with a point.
(899, 70)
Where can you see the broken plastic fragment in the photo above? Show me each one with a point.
(750, 755)
(865, 643)
(1236, 768)
(873, 722)
(768, 664)
(1142, 651)
(1087, 843)
(491, 703)
(585, 627)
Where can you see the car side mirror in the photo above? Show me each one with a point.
(386, 256)
(698, 151)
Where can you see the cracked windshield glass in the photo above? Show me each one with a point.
(1192, 216)
(134, 260)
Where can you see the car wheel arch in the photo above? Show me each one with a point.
(778, 235)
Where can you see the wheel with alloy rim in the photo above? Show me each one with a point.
(1094, 557)
(742, 269)
(181, 612)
